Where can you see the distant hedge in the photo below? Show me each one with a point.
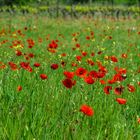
(75, 11)
(67, 2)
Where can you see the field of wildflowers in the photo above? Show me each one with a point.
(69, 79)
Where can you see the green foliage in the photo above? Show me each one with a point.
(17, 2)
(48, 2)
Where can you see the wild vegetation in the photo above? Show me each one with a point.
(69, 70)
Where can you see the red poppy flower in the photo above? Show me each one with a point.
(26, 66)
(100, 74)
(77, 45)
(2, 65)
(124, 55)
(119, 90)
(87, 110)
(99, 52)
(92, 33)
(93, 74)
(90, 62)
(43, 76)
(63, 54)
(120, 70)
(73, 82)
(138, 120)
(74, 64)
(18, 53)
(84, 53)
(92, 54)
(118, 77)
(13, 66)
(114, 59)
(52, 50)
(78, 58)
(131, 88)
(68, 74)
(54, 66)
(107, 89)
(30, 43)
(81, 72)
(89, 80)
(53, 44)
(63, 63)
(111, 81)
(67, 83)
(87, 37)
(31, 55)
(121, 100)
(73, 49)
(37, 64)
(74, 34)
(19, 88)
(102, 82)
(102, 69)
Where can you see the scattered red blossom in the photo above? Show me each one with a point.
(118, 90)
(37, 64)
(131, 88)
(121, 100)
(43, 76)
(19, 88)
(54, 66)
(87, 110)
(68, 74)
(89, 80)
(107, 89)
(68, 83)
(81, 72)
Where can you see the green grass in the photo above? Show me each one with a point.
(46, 109)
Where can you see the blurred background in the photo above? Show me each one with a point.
(69, 2)
(73, 8)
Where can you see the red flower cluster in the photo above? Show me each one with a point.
(13, 66)
(18, 53)
(52, 46)
(26, 66)
(31, 43)
(119, 76)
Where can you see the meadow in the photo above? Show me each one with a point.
(69, 79)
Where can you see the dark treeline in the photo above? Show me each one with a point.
(68, 2)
